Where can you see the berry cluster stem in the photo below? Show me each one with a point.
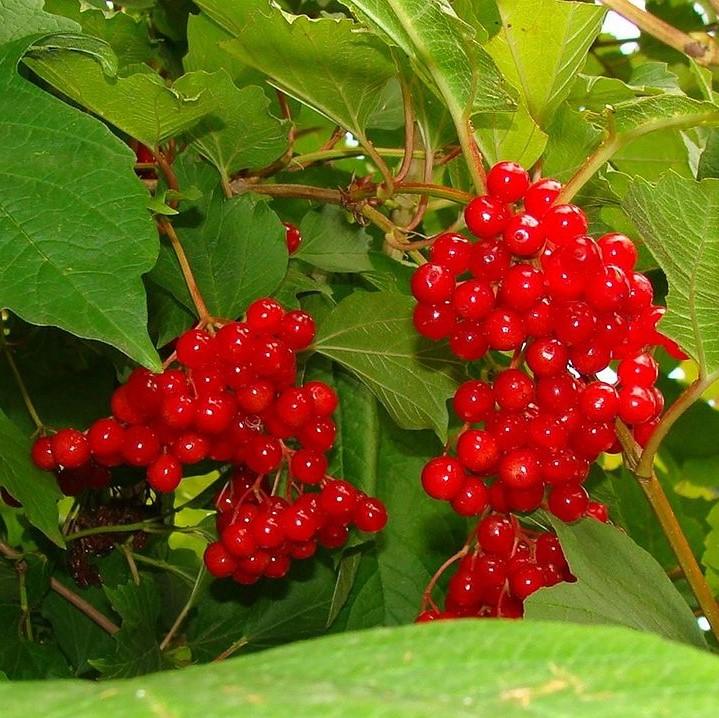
(653, 490)
(704, 51)
(22, 387)
(185, 609)
(70, 596)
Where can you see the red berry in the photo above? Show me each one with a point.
(443, 478)
(510, 431)
(607, 291)
(519, 469)
(547, 432)
(338, 498)
(164, 474)
(278, 566)
(473, 299)
(575, 323)
(451, 251)
(524, 235)
(434, 321)
(472, 498)
(464, 590)
(564, 222)
(598, 511)
(308, 466)
(178, 411)
(214, 412)
(568, 502)
(619, 250)
(220, 563)
(299, 524)
(370, 515)
(638, 370)
(432, 284)
(539, 320)
(580, 254)
(477, 450)
(496, 534)
(507, 181)
(233, 343)
(513, 390)
(526, 581)
(333, 536)
(195, 349)
(70, 448)
(525, 500)
(318, 434)
(264, 454)
(486, 216)
(42, 455)
(324, 398)
(468, 341)
(267, 530)
(599, 402)
(142, 446)
(641, 293)
(190, 448)
(637, 405)
(265, 315)
(504, 330)
(474, 401)
(293, 238)
(298, 329)
(557, 393)
(546, 357)
(540, 196)
(590, 357)
(522, 287)
(489, 260)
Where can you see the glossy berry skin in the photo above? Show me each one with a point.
(338, 499)
(370, 515)
(519, 469)
(233, 343)
(486, 216)
(496, 534)
(195, 349)
(142, 446)
(619, 250)
(504, 329)
(265, 315)
(524, 235)
(638, 370)
(298, 329)
(489, 260)
(164, 474)
(526, 581)
(607, 290)
(264, 454)
(540, 196)
(473, 401)
(564, 222)
(190, 448)
(513, 390)
(70, 448)
(42, 455)
(471, 499)
(580, 254)
(293, 238)
(523, 286)
(308, 466)
(599, 402)
(547, 357)
(568, 502)
(473, 299)
(452, 251)
(432, 284)
(443, 478)
(468, 341)
(324, 398)
(434, 321)
(477, 450)
(507, 181)
(637, 405)
(220, 563)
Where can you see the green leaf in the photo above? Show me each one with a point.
(331, 243)
(372, 335)
(22, 18)
(541, 47)
(448, 669)
(385, 461)
(295, 284)
(240, 133)
(236, 247)
(36, 490)
(709, 160)
(442, 50)
(677, 219)
(617, 583)
(323, 63)
(75, 236)
(140, 104)
(98, 50)
(137, 650)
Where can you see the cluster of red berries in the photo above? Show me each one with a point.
(261, 532)
(231, 399)
(565, 307)
(503, 566)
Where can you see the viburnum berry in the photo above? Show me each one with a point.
(432, 284)
(468, 341)
(42, 454)
(568, 502)
(477, 450)
(164, 474)
(513, 390)
(473, 401)
(434, 321)
(70, 448)
(507, 181)
(370, 515)
(473, 299)
(524, 235)
(489, 260)
(443, 478)
(540, 196)
(496, 534)
(563, 222)
(619, 250)
(486, 216)
(452, 251)
(195, 349)
(293, 238)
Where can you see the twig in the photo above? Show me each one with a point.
(704, 51)
(185, 609)
(408, 134)
(80, 603)
(21, 384)
(229, 651)
(163, 565)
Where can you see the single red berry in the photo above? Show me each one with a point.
(265, 315)
(643, 432)
(580, 254)
(473, 299)
(214, 412)
(233, 343)
(264, 454)
(513, 390)
(472, 498)
(318, 434)
(562, 466)
(302, 550)
(267, 530)
(142, 446)
(452, 251)
(590, 440)
(590, 357)
(540, 196)
(468, 341)
(324, 398)
(568, 502)
(42, 455)
(638, 370)
(370, 515)
(278, 566)
(599, 402)
(486, 217)
(178, 411)
(298, 329)
(641, 294)
(489, 260)
(338, 498)
(432, 284)
(524, 235)
(70, 448)
(546, 357)
(299, 524)
(496, 534)
(540, 319)
(598, 511)
(464, 590)
(308, 466)
(576, 322)
(522, 287)
(563, 283)
(474, 401)
(510, 431)
(526, 581)
(508, 181)
(293, 238)
(207, 380)
(525, 500)
(557, 393)
(519, 469)
(333, 536)
(564, 222)
(504, 329)
(548, 551)
(220, 563)
(164, 474)
(547, 432)
(443, 478)
(477, 450)
(434, 321)
(195, 349)
(637, 404)
(190, 448)
(619, 250)
(608, 290)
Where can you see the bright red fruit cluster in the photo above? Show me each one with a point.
(564, 308)
(504, 564)
(230, 398)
